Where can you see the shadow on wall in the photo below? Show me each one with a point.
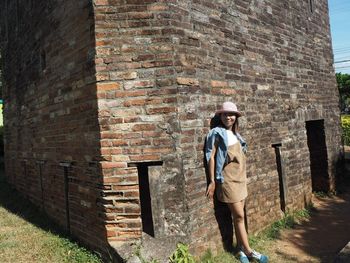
(225, 223)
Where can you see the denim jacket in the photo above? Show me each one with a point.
(220, 134)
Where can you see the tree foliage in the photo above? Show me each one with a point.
(343, 81)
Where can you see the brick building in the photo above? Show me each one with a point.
(107, 104)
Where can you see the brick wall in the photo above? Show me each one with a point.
(127, 89)
(275, 60)
(51, 111)
(138, 112)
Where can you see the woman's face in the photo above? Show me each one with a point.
(228, 119)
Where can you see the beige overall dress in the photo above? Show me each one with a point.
(234, 187)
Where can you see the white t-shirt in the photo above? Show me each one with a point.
(231, 138)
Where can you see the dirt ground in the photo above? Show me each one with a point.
(321, 237)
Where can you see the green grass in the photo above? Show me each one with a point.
(27, 235)
(221, 257)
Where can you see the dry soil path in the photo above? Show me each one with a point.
(321, 237)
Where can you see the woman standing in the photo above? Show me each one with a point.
(225, 154)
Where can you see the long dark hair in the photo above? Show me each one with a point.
(216, 122)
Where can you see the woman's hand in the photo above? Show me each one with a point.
(211, 190)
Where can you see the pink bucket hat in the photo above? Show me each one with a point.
(229, 107)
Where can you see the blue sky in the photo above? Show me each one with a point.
(339, 12)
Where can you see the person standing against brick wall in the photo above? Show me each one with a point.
(225, 154)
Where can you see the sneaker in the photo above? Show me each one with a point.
(259, 257)
(242, 257)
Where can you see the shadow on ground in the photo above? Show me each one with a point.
(322, 237)
(17, 204)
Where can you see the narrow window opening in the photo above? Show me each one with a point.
(42, 60)
(24, 163)
(41, 164)
(316, 141)
(311, 4)
(281, 176)
(19, 21)
(147, 215)
(66, 166)
(25, 176)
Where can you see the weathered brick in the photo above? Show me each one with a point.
(138, 84)
(143, 127)
(123, 75)
(130, 93)
(223, 92)
(158, 7)
(136, 102)
(145, 157)
(157, 150)
(187, 81)
(139, 142)
(161, 110)
(118, 143)
(219, 84)
(113, 165)
(101, 2)
(102, 86)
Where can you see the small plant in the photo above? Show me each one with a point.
(304, 213)
(288, 221)
(181, 255)
(320, 194)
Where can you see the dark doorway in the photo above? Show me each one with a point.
(316, 141)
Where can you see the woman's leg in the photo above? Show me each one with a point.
(237, 210)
